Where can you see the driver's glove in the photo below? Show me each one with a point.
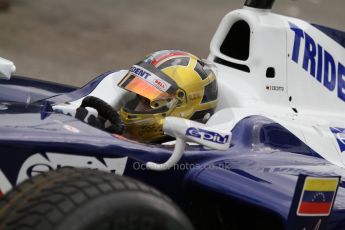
(84, 115)
(99, 122)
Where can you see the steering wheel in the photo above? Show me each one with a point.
(106, 111)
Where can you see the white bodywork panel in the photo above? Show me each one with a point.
(314, 131)
(303, 104)
(6, 68)
(268, 38)
(107, 90)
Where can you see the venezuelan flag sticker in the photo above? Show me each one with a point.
(318, 196)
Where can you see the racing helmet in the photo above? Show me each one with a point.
(167, 83)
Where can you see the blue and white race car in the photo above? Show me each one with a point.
(271, 156)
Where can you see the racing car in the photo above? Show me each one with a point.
(270, 157)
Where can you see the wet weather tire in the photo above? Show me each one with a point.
(83, 199)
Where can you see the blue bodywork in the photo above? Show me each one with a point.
(259, 170)
(336, 35)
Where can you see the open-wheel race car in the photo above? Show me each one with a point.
(271, 155)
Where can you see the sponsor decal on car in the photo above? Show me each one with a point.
(207, 135)
(317, 196)
(39, 163)
(318, 62)
(339, 134)
(5, 185)
(312, 202)
(3, 106)
(274, 88)
(71, 128)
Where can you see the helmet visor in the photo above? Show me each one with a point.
(149, 82)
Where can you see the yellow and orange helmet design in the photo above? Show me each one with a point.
(167, 83)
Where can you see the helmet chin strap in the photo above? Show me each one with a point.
(206, 117)
(171, 105)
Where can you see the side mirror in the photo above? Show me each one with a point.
(190, 131)
(6, 68)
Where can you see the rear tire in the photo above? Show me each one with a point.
(85, 199)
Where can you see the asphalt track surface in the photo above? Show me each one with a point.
(73, 41)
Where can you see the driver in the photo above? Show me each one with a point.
(166, 83)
